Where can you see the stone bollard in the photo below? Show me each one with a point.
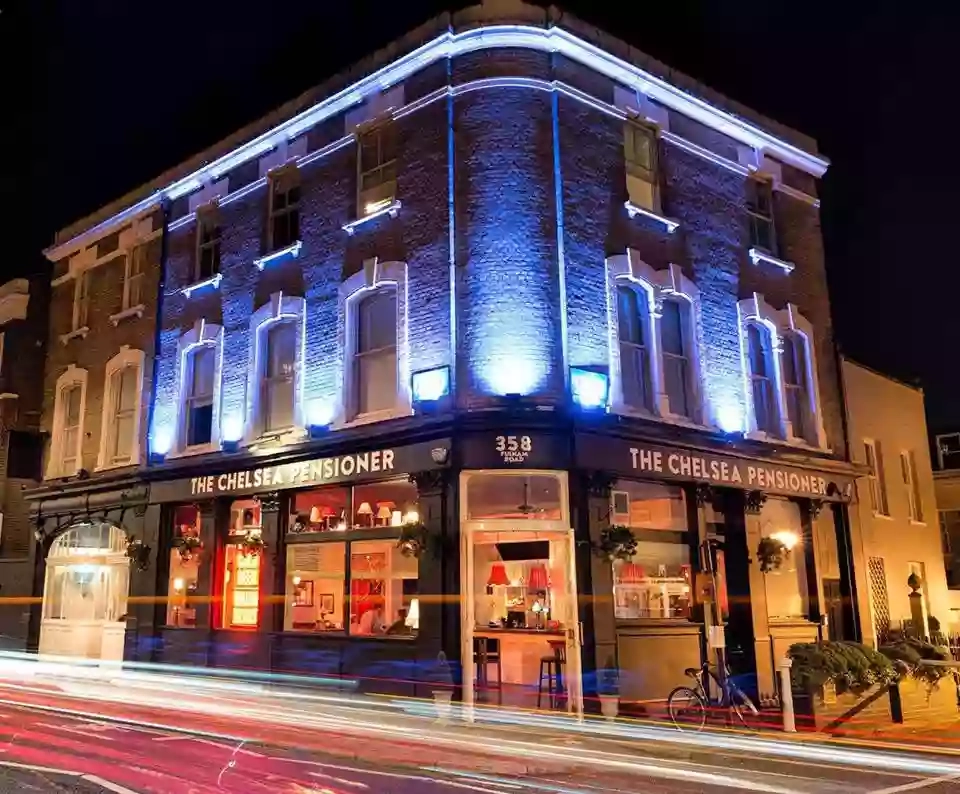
(786, 695)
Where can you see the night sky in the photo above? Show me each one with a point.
(109, 93)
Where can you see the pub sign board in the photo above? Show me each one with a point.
(675, 463)
(376, 464)
(516, 449)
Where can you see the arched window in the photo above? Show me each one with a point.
(279, 379)
(675, 350)
(120, 427)
(375, 353)
(633, 332)
(762, 378)
(70, 402)
(795, 386)
(199, 396)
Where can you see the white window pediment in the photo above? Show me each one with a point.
(199, 361)
(796, 384)
(270, 376)
(663, 359)
(69, 411)
(122, 408)
(377, 287)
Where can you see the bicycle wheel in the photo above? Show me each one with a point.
(687, 709)
(743, 707)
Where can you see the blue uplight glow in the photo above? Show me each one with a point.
(507, 374)
(589, 389)
(320, 413)
(430, 384)
(161, 441)
(232, 428)
(730, 418)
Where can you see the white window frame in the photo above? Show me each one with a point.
(372, 276)
(657, 285)
(127, 357)
(280, 308)
(384, 192)
(774, 376)
(908, 470)
(876, 479)
(81, 301)
(72, 376)
(289, 176)
(638, 172)
(778, 322)
(135, 258)
(208, 217)
(203, 334)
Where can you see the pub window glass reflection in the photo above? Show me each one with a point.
(385, 504)
(185, 560)
(761, 378)
(510, 497)
(674, 335)
(375, 352)
(199, 408)
(655, 582)
(278, 384)
(320, 510)
(314, 589)
(241, 572)
(633, 330)
(786, 587)
(383, 590)
(794, 362)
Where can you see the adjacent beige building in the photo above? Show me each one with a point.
(895, 529)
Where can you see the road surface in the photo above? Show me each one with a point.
(166, 736)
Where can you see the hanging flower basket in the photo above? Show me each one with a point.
(189, 546)
(413, 540)
(252, 545)
(771, 553)
(138, 553)
(617, 542)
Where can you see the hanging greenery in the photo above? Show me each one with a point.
(252, 544)
(771, 553)
(617, 542)
(189, 546)
(413, 540)
(138, 553)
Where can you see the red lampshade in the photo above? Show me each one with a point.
(631, 573)
(538, 578)
(498, 575)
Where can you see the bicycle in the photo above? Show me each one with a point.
(688, 706)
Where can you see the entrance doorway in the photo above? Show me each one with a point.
(85, 593)
(519, 612)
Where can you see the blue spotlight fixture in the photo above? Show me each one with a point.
(589, 389)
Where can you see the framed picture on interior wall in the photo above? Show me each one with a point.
(326, 602)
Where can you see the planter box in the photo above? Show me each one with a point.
(869, 710)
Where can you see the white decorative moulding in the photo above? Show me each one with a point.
(133, 311)
(292, 251)
(668, 223)
(213, 281)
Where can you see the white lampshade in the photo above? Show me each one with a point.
(413, 615)
(315, 515)
(383, 511)
(365, 509)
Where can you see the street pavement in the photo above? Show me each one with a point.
(166, 736)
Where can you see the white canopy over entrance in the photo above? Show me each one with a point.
(85, 593)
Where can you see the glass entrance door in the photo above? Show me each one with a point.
(519, 610)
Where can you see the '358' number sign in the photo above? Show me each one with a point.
(514, 449)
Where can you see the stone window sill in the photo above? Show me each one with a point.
(668, 223)
(213, 281)
(79, 333)
(758, 255)
(376, 416)
(291, 251)
(391, 209)
(132, 311)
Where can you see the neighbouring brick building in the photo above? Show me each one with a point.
(23, 315)
(426, 334)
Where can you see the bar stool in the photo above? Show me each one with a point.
(486, 651)
(551, 668)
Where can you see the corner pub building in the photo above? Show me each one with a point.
(422, 339)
